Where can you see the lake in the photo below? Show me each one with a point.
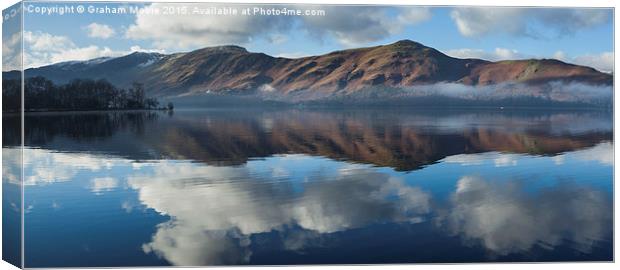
(313, 186)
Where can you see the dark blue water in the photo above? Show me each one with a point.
(211, 187)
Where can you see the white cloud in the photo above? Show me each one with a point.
(497, 158)
(43, 49)
(505, 220)
(481, 21)
(183, 244)
(101, 184)
(602, 61)
(560, 55)
(531, 22)
(11, 53)
(266, 88)
(602, 153)
(195, 30)
(43, 167)
(357, 25)
(505, 161)
(40, 41)
(414, 15)
(496, 55)
(215, 210)
(82, 53)
(351, 26)
(11, 165)
(467, 159)
(558, 160)
(136, 48)
(96, 30)
(293, 55)
(503, 53)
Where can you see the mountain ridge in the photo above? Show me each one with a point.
(233, 69)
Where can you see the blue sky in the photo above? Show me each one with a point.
(582, 36)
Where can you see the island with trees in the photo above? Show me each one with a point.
(41, 94)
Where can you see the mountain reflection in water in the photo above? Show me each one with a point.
(279, 187)
(403, 140)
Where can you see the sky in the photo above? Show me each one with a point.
(575, 35)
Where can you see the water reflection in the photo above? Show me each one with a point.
(214, 207)
(601, 153)
(267, 187)
(215, 213)
(401, 140)
(506, 219)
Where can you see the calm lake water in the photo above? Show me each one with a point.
(211, 187)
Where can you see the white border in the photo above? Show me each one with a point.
(477, 266)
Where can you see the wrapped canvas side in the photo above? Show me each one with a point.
(12, 135)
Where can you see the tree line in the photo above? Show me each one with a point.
(41, 94)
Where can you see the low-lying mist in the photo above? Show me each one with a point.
(554, 91)
(439, 94)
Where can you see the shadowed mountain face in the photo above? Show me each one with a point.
(391, 138)
(232, 69)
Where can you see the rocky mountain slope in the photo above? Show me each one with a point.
(232, 69)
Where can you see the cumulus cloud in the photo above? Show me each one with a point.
(603, 61)
(83, 53)
(196, 30)
(505, 219)
(103, 31)
(215, 210)
(530, 22)
(11, 52)
(182, 244)
(43, 49)
(350, 26)
(353, 26)
(43, 167)
(11, 165)
(414, 15)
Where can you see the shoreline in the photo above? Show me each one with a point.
(498, 109)
(86, 110)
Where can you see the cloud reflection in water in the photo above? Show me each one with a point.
(214, 210)
(506, 219)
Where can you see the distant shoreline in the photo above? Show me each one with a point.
(335, 108)
(87, 110)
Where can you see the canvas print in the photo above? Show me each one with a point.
(200, 134)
